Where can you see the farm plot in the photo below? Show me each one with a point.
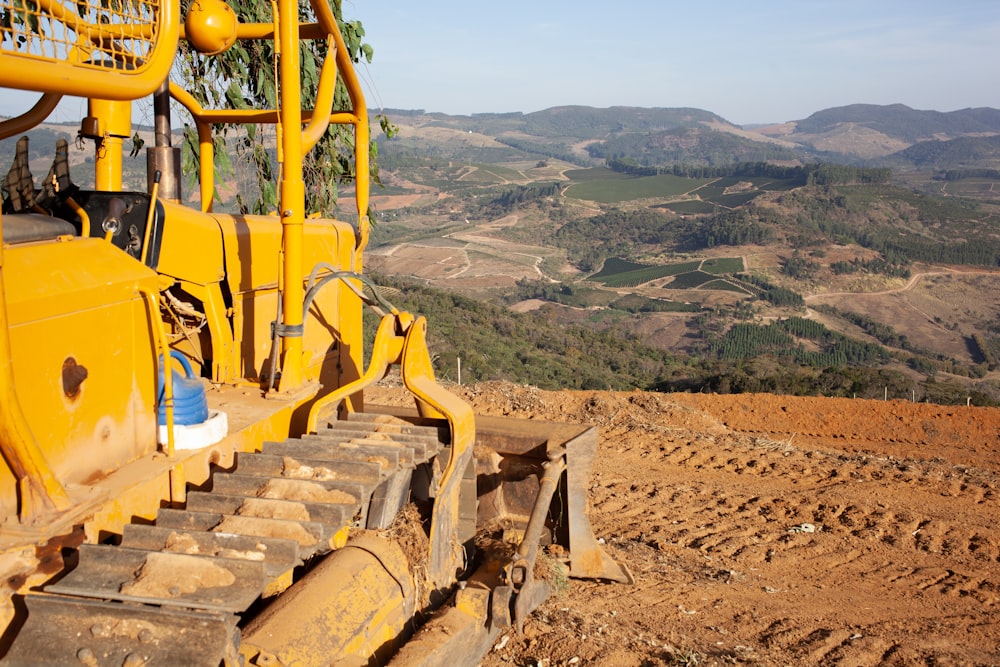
(723, 285)
(623, 273)
(720, 265)
(689, 207)
(690, 280)
(700, 274)
(609, 191)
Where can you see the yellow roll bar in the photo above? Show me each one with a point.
(124, 50)
(292, 147)
(30, 118)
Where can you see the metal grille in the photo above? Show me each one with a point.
(118, 34)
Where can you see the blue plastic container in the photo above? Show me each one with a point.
(190, 405)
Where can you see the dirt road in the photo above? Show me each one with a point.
(766, 530)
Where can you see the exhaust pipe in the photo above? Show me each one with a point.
(163, 157)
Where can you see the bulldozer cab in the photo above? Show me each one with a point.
(190, 472)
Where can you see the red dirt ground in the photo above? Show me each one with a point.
(707, 499)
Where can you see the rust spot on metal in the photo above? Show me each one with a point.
(73, 375)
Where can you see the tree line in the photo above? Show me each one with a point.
(746, 340)
(774, 294)
(959, 174)
(687, 144)
(820, 173)
(513, 197)
(556, 151)
(495, 343)
(899, 268)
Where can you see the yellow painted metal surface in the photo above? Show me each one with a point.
(352, 605)
(82, 309)
(111, 126)
(35, 486)
(435, 401)
(207, 250)
(192, 246)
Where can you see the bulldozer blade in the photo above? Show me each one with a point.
(510, 456)
(587, 559)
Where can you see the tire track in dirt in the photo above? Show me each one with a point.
(710, 500)
(749, 500)
(732, 518)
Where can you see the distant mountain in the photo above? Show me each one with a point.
(591, 123)
(588, 135)
(576, 122)
(964, 152)
(901, 122)
(689, 145)
(870, 132)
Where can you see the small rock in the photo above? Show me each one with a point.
(803, 528)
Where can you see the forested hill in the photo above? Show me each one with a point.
(875, 135)
(580, 122)
(902, 122)
(954, 153)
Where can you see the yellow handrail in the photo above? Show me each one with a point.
(30, 118)
(362, 132)
(324, 99)
(387, 349)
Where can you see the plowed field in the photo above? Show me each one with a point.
(773, 530)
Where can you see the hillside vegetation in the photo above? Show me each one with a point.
(704, 257)
(790, 356)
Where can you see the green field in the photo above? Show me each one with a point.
(972, 187)
(775, 184)
(586, 297)
(595, 174)
(690, 280)
(613, 190)
(502, 174)
(736, 199)
(633, 303)
(721, 265)
(615, 265)
(618, 272)
(623, 273)
(608, 187)
(723, 286)
(481, 176)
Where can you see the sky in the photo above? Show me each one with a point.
(749, 62)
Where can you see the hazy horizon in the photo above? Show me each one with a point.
(750, 64)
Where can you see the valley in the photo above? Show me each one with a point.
(492, 234)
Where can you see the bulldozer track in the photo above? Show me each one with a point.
(173, 592)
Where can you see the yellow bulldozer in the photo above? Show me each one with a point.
(190, 473)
